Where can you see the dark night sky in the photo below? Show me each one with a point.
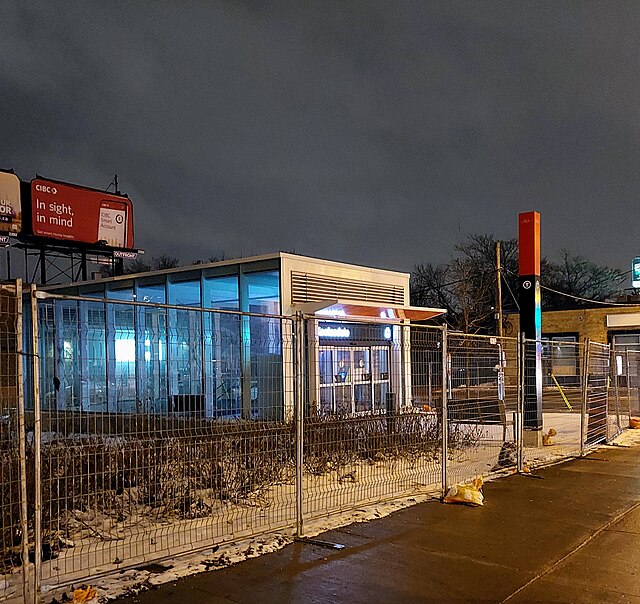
(379, 133)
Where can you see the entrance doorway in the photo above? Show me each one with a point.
(353, 379)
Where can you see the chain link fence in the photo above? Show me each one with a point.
(131, 432)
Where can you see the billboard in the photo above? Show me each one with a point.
(10, 209)
(76, 214)
(635, 273)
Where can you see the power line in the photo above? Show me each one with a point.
(555, 291)
(511, 292)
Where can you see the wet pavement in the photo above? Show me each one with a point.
(571, 536)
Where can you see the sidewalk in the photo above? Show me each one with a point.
(572, 536)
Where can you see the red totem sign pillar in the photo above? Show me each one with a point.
(531, 316)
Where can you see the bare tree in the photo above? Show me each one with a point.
(579, 279)
(156, 263)
(466, 285)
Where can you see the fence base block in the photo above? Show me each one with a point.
(532, 438)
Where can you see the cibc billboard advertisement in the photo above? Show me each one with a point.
(76, 214)
(10, 209)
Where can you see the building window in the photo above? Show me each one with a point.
(560, 359)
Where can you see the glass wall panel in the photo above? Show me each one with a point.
(121, 351)
(221, 292)
(73, 349)
(48, 344)
(154, 293)
(152, 348)
(93, 340)
(263, 338)
(223, 390)
(184, 293)
(122, 293)
(185, 349)
(68, 356)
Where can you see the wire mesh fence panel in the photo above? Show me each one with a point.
(372, 431)
(633, 381)
(13, 566)
(619, 411)
(163, 431)
(557, 430)
(600, 421)
(625, 367)
(482, 405)
(158, 427)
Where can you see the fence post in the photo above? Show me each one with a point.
(445, 423)
(36, 444)
(22, 436)
(627, 368)
(613, 371)
(299, 418)
(585, 396)
(521, 345)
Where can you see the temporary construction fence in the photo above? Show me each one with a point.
(131, 432)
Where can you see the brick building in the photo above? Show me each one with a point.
(618, 326)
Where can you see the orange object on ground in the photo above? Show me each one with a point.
(84, 594)
(466, 494)
(546, 438)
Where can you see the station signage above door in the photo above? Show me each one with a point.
(356, 332)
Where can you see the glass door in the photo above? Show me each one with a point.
(343, 380)
(380, 377)
(354, 379)
(362, 397)
(325, 357)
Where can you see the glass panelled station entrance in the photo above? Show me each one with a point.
(216, 340)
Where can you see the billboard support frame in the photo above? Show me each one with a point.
(68, 261)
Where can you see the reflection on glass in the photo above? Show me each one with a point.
(185, 349)
(261, 339)
(152, 348)
(221, 292)
(222, 347)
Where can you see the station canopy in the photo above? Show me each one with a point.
(344, 309)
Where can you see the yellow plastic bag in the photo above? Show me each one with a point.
(466, 494)
(546, 438)
(84, 594)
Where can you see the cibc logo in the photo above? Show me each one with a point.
(46, 189)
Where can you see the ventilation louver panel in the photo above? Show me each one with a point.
(307, 287)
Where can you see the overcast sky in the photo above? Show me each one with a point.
(378, 133)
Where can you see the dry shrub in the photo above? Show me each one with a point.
(176, 473)
(332, 442)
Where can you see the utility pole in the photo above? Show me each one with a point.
(499, 291)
